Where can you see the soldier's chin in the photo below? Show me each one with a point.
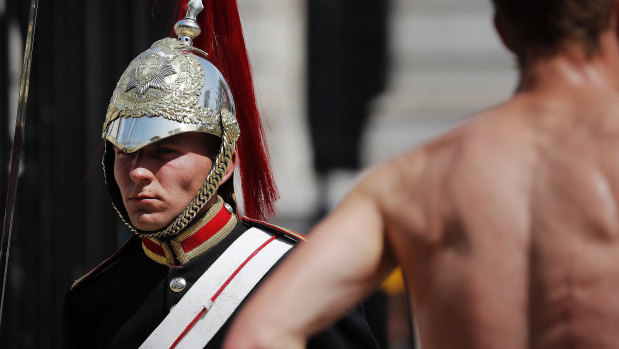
(148, 224)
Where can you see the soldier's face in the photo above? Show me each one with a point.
(159, 180)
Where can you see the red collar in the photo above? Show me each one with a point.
(194, 240)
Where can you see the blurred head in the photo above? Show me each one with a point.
(543, 26)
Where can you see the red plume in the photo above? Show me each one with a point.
(222, 38)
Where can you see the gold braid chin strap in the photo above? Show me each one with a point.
(208, 189)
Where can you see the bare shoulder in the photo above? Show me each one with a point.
(416, 189)
(407, 189)
(420, 169)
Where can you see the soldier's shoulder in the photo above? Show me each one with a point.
(84, 279)
(282, 232)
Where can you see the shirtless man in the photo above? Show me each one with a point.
(506, 228)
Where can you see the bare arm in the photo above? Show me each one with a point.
(344, 259)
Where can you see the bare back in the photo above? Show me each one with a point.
(508, 232)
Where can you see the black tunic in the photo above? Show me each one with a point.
(123, 301)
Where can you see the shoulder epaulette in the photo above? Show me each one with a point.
(288, 233)
(99, 266)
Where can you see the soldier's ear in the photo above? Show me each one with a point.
(230, 172)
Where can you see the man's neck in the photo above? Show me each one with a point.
(573, 68)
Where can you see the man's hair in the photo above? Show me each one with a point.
(544, 25)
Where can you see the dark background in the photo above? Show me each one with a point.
(63, 221)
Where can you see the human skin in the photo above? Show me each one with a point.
(159, 180)
(506, 228)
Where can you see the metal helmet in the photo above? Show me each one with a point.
(169, 89)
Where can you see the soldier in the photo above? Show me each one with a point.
(171, 149)
(506, 227)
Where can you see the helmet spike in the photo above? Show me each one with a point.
(187, 28)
